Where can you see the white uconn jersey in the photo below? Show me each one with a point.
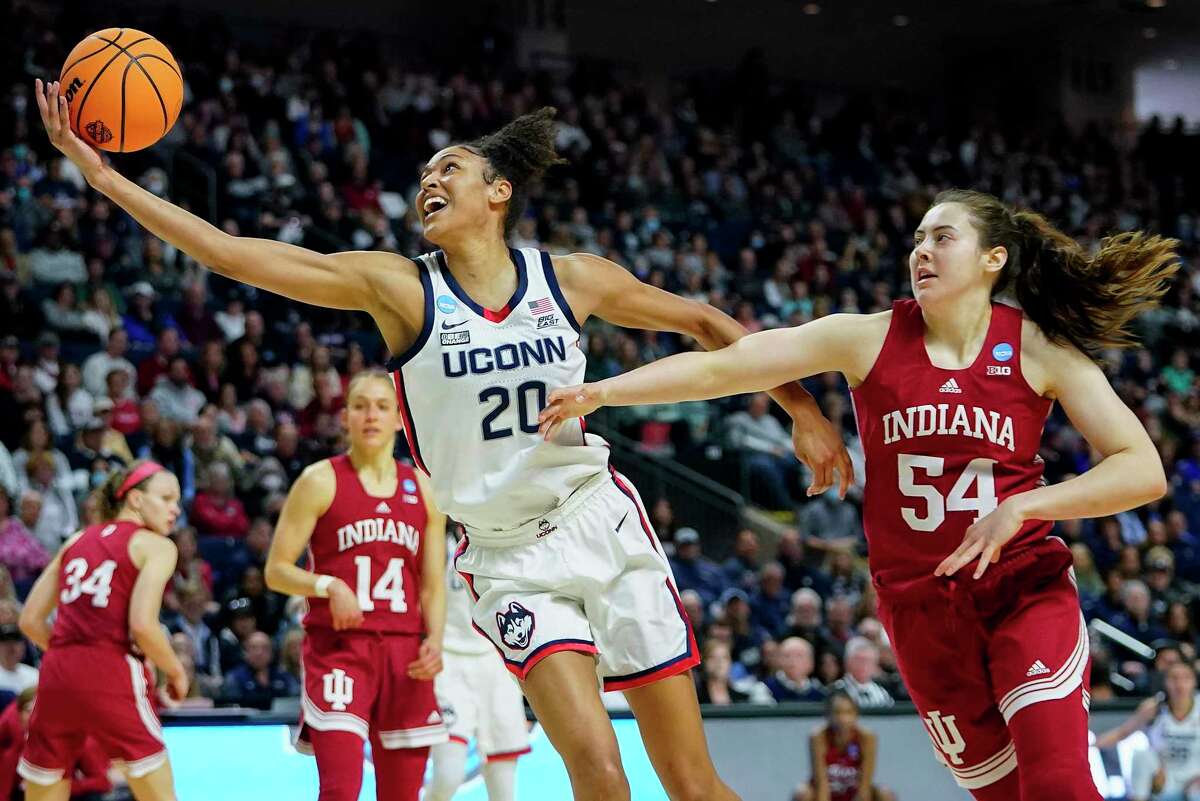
(1177, 743)
(471, 387)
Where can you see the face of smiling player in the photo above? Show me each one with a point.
(460, 196)
(948, 260)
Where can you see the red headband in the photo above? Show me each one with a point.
(139, 474)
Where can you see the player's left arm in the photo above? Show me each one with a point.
(433, 588)
(597, 286)
(1129, 473)
(866, 776)
(42, 600)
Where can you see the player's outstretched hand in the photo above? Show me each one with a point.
(56, 117)
(343, 606)
(565, 403)
(984, 539)
(818, 444)
(428, 662)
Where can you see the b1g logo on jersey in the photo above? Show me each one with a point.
(946, 737)
(999, 369)
(339, 689)
(516, 626)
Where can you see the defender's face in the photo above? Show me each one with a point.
(946, 258)
(455, 197)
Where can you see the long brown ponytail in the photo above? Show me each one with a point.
(1085, 301)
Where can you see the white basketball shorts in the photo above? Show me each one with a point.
(480, 699)
(589, 577)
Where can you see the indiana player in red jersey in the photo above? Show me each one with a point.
(950, 392)
(377, 603)
(107, 583)
(843, 757)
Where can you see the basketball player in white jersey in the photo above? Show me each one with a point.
(1170, 769)
(479, 700)
(570, 583)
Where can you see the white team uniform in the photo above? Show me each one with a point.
(559, 554)
(1174, 746)
(477, 695)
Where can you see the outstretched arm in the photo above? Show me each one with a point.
(751, 364)
(1142, 717)
(597, 286)
(341, 281)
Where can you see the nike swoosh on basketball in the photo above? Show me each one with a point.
(447, 327)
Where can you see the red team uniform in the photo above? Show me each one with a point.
(356, 680)
(943, 448)
(91, 684)
(843, 766)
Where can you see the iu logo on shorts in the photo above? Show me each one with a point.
(946, 736)
(339, 689)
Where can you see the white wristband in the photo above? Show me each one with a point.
(321, 587)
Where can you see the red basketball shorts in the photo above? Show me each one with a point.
(357, 681)
(973, 654)
(84, 691)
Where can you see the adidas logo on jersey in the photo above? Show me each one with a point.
(950, 386)
(1037, 669)
(383, 508)
(434, 717)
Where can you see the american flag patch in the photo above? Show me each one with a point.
(541, 306)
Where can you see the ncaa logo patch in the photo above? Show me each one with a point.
(516, 626)
(409, 485)
(446, 304)
(1002, 352)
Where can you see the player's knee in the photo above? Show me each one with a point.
(803, 793)
(600, 778)
(688, 781)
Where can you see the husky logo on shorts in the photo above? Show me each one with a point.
(946, 736)
(339, 689)
(516, 626)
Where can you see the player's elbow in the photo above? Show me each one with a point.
(1156, 483)
(29, 623)
(142, 628)
(271, 575)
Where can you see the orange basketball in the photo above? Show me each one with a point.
(123, 89)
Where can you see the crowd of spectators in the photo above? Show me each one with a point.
(115, 346)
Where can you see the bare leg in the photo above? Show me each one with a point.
(59, 791)
(564, 694)
(157, 785)
(668, 717)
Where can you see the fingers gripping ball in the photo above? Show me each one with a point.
(123, 88)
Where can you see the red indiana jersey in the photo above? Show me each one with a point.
(374, 545)
(944, 447)
(95, 584)
(843, 766)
